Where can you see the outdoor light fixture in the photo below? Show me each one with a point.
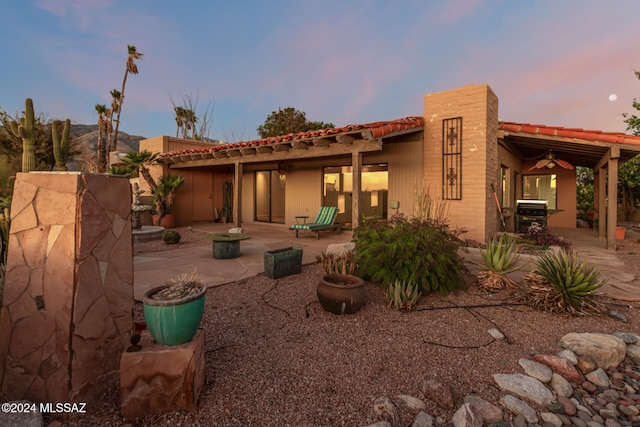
(550, 162)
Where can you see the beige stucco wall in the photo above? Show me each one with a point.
(478, 107)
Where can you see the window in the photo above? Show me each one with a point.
(540, 187)
(505, 187)
(338, 190)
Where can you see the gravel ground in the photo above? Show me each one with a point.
(274, 357)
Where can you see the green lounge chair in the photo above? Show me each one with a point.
(323, 222)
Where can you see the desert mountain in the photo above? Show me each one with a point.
(87, 136)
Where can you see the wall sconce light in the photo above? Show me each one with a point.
(282, 168)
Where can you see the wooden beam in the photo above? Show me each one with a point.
(220, 155)
(282, 147)
(321, 142)
(345, 139)
(264, 149)
(613, 153)
(299, 145)
(233, 153)
(293, 155)
(248, 151)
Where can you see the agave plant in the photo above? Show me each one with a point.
(561, 283)
(403, 295)
(500, 258)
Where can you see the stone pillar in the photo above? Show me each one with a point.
(67, 312)
(477, 105)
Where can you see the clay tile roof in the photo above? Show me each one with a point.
(573, 133)
(373, 130)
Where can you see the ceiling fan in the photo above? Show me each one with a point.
(550, 162)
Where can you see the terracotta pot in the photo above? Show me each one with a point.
(341, 293)
(620, 233)
(168, 221)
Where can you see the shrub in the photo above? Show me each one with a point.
(403, 295)
(541, 236)
(171, 237)
(338, 264)
(500, 258)
(561, 283)
(417, 250)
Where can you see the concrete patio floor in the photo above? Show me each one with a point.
(153, 269)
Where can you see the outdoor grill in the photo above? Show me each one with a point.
(530, 212)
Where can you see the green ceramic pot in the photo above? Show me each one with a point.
(173, 322)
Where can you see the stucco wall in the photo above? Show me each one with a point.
(478, 107)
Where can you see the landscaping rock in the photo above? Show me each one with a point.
(340, 248)
(536, 370)
(560, 385)
(438, 393)
(490, 412)
(518, 407)
(627, 337)
(524, 386)
(598, 377)
(633, 350)
(386, 410)
(496, 334)
(568, 406)
(413, 403)
(607, 351)
(551, 418)
(569, 355)
(422, 419)
(380, 424)
(467, 416)
(585, 364)
(560, 366)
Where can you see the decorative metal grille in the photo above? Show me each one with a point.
(452, 159)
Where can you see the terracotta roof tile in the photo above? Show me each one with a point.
(577, 133)
(373, 130)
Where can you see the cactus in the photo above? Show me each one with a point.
(61, 144)
(27, 131)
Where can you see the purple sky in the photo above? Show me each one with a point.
(550, 62)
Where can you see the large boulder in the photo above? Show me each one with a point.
(607, 351)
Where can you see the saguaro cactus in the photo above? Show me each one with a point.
(60, 144)
(27, 131)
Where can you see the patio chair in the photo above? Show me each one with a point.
(323, 222)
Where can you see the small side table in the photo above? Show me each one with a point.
(303, 218)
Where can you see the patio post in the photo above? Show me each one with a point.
(602, 201)
(612, 207)
(237, 195)
(356, 165)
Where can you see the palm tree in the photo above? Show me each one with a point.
(103, 130)
(164, 193)
(179, 119)
(140, 162)
(132, 68)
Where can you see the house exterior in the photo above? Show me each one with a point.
(457, 150)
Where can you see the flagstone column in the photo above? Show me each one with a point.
(67, 311)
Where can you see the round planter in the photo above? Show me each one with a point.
(226, 249)
(341, 293)
(173, 322)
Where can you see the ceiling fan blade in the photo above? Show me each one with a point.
(564, 164)
(540, 164)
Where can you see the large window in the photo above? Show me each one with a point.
(540, 187)
(338, 191)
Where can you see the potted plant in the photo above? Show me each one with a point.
(282, 262)
(163, 198)
(341, 293)
(173, 311)
(225, 245)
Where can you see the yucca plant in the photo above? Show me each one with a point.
(500, 258)
(403, 295)
(331, 263)
(561, 283)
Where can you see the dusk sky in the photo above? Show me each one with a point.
(549, 62)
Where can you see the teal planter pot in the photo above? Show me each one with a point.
(282, 262)
(173, 322)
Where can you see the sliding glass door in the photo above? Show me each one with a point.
(269, 196)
